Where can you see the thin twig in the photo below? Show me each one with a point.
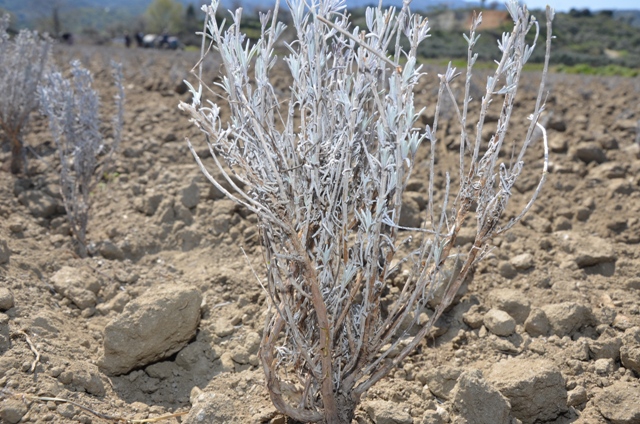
(107, 417)
(32, 347)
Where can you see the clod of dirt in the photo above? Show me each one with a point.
(537, 323)
(477, 402)
(499, 322)
(190, 195)
(568, 317)
(12, 411)
(620, 403)
(5, 252)
(522, 262)
(384, 412)
(6, 299)
(577, 396)
(535, 388)
(589, 152)
(152, 327)
(587, 250)
(512, 302)
(5, 335)
(109, 250)
(40, 205)
(83, 376)
(78, 285)
(441, 380)
(606, 347)
(630, 350)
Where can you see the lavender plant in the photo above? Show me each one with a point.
(85, 154)
(23, 63)
(325, 171)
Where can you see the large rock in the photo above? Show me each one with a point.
(78, 285)
(535, 388)
(567, 318)
(152, 327)
(620, 403)
(477, 402)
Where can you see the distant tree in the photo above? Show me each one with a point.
(164, 15)
(49, 15)
(192, 22)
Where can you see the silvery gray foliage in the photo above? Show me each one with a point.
(325, 171)
(73, 109)
(23, 63)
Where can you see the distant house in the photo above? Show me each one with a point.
(490, 19)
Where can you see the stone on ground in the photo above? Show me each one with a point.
(567, 318)
(535, 388)
(441, 380)
(6, 299)
(499, 323)
(630, 350)
(78, 285)
(512, 302)
(476, 402)
(537, 323)
(156, 325)
(384, 412)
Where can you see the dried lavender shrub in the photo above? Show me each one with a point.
(325, 171)
(73, 109)
(24, 62)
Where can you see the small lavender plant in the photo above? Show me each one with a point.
(23, 63)
(74, 119)
(325, 171)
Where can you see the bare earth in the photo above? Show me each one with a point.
(547, 331)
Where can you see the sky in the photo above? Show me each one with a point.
(565, 5)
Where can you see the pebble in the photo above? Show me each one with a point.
(577, 396)
(6, 299)
(506, 270)
(537, 323)
(589, 152)
(522, 262)
(5, 252)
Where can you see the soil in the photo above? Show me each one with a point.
(568, 276)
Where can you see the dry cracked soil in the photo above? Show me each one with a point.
(165, 316)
